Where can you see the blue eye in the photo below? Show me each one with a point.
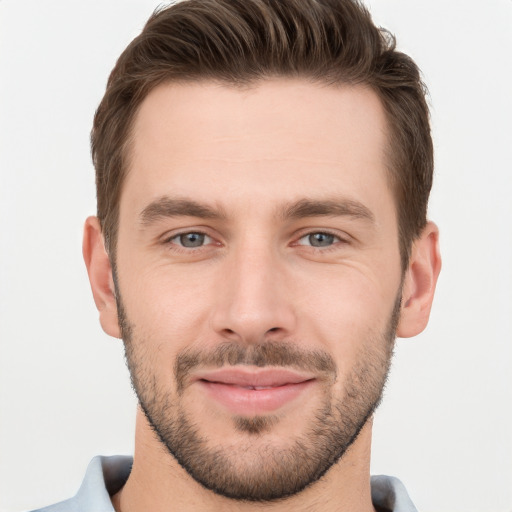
(319, 239)
(191, 240)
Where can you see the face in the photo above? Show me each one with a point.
(258, 277)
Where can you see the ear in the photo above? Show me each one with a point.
(100, 276)
(420, 282)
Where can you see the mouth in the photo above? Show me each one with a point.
(249, 392)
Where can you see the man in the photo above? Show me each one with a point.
(263, 171)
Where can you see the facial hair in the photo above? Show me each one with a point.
(261, 472)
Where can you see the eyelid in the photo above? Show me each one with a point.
(207, 239)
(341, 237)
(166, 239)
(172, 233)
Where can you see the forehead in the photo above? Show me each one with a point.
(279, 137)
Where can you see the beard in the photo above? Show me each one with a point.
(256, 469)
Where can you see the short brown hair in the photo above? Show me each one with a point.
(240, 42)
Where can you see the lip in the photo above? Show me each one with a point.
(253, 392)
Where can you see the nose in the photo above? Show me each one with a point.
(254, 301)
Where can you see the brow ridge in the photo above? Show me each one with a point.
(327, 208)
(165, 207)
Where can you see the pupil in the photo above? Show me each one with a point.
(321, 239)
(192, 240)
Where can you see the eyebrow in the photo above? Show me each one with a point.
(165, 207)
(338, 207)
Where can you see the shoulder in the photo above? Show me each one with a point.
(104, 477)
(389, 493)
(70, 505)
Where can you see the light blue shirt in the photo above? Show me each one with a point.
(106, 475)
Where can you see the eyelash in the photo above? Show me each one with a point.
(179, 248)
(332, 247)
(176, 247)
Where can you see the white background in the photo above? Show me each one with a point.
(445, 427)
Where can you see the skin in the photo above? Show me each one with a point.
(248, 155)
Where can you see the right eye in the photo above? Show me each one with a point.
(191, 240)
(319, 239)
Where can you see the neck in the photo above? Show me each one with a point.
(158, 483)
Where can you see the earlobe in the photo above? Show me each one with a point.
(420, 283)
(100, 276)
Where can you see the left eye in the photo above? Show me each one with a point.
(191, 240)
(318, 239)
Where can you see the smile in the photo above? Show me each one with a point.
(256, 388)
(247, 393)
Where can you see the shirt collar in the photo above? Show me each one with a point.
(106, 475)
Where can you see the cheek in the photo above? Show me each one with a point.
(349, 295)
(167, 307)
(350, 316)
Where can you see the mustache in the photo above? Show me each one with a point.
(270, 353)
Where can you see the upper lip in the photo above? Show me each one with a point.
(259, 377)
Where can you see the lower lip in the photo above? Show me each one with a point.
(244, 401)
